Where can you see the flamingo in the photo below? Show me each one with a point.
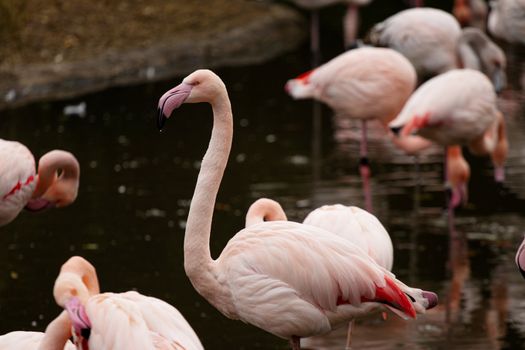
(471, 13)
(118, 320)
(21, 187)
(434, 42)
(290, 279)
(351, 223)
(506, 20)
(56, 336)
(365, 83)
(458, 108)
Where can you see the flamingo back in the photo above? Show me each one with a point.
(17, 179)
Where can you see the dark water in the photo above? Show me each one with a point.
(136, 185)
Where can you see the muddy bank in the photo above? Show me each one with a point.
(224, 33)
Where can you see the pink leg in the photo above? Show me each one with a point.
(450, 199)
(348, 345)
(295, 343)
(417, 3)
(364, 168)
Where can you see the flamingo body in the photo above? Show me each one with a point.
(506, 20)
(453, 108)
(434, 43)
(366, 83)
(358, 226)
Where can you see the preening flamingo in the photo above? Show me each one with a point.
(56, 337)
(457, 108)
(21, 186)
(434, 42)
(115, 321)
(351, 223)
(365, 83)
(506, 20)
(289, 279)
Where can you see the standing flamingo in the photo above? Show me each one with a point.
(366, 83)
(291, 280)
(55, 185)
(351, 223)
(56, 337)
(434, 42)
(118, 320)
(506, 20)
(457, 108)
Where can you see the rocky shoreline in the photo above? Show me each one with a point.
(278, 29)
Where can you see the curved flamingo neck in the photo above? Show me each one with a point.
(48, 167)
(198, 263)
(264, 209)
(57, 333)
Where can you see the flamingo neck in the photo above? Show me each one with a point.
(264, 209)
(350, 24)
(198, 263)
(57, 333)
(48, 167)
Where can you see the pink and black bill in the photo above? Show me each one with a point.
(80, 322)
(520, 258)
(171, 100)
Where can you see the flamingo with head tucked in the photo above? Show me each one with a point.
(434, 43)
(506, 20)
(290, 279)
(366, 83)
(457, 108)
(55, 185)
(118, 320)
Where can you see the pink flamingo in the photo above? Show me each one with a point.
(55, 185)
(354, 225)
(56, 337)
(434, 43)
(506, 20)
(118, 320)
(457, 108)
(289, 279)
(366, 83)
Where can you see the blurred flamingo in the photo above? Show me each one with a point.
(457, 108)
(354, 225)
(56, 337)
(506, 20)
(291, 280)
(471, 13)
(118, 320)
(434, 42)
(55, 185)
(365, 83)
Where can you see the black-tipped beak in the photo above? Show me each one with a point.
(396, 129)
(432, 299)
(499, 79)
(161, 119)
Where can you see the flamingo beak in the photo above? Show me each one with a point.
(396, 129)
(432, 299)
(499, 79)
(38, 204)
(171, 100)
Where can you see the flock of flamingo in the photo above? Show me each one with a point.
(429, 82)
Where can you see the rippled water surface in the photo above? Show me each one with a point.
(136, 185)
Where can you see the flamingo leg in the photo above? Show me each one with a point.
(315, 46)
(417, 3)
(449, 198)
(295, 343)
(350, 25)
(348, 345)
(364, 167)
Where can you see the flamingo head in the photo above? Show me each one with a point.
(300, 87)
(200, 86)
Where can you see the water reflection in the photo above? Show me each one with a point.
(136, 185)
